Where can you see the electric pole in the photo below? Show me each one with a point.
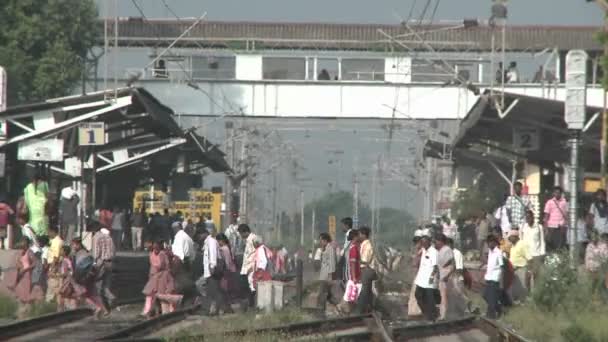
(302, 218)
(604, 143)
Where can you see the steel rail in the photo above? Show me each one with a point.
(42, 322)
(27, 326)
(433, 329)
(151, 325)
(498, 331)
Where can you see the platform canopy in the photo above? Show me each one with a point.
(532, 130)
(139, 131)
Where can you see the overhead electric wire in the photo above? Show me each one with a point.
(230, 103)
(186, 74)
(409, 16)
(423, 13)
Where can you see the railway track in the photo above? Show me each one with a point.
(72, 325)
(79, 325)
(373, 328)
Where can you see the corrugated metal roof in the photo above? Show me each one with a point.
(260, 35)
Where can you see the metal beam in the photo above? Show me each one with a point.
(173, 143)
(20, 125)
(67, 124)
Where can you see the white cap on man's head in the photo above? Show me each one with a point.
(418, 233)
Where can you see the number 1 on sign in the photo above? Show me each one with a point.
(91, 136)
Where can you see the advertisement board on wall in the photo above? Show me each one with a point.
(46, 150)
(201, 203)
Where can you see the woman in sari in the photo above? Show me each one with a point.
(228, 281)
(35, 196)
(20, 281)
(66, 297)
(161, 284)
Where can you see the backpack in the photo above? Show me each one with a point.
(220, 266)
(84, 269)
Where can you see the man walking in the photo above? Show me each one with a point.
(183, 246)
(516, 207)
(368, 273)
(236, 243)
(519, 256)
(138, 222)
(445, 263)
(213, 270)
(492, 291)
(347, 226)
(556, 221)
(53, 261)
(68, 213)
(502, 217)
(119, 222)
(103, 254)
(426, 280)
(248, 266)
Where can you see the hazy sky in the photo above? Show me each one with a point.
(521, 12)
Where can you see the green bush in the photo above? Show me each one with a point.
(42, 308)
(553, 289)
(8, 307)
(576, 333)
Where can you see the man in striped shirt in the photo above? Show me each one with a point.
(103, 253)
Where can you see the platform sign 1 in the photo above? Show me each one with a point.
(576, 89)
(92, 134)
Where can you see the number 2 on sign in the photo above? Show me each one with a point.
(91, 136)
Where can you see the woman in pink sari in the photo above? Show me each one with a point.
(20, 281)
(229, 279)
(161, 284)
(66, 298)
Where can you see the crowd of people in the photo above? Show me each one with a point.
(189, 259)
(215, 269)
(347, 272)
(512, 246)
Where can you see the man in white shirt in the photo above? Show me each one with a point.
(426, 280)
(248, 260)
(492, 278)
(236, 243)
(502, 217)
(445, 263)
(183, 246)
(213, 268)
(462, 304)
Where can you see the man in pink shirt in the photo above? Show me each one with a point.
(556, 221)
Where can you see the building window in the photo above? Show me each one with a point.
(431, 71)
(363, 69)
(284, 68)
(213, 67)
(328, 69)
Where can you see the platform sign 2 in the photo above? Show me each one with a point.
(526, 139)
(91, 134)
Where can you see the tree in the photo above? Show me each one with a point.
(486, 194)
(43, 46)
(391, 228)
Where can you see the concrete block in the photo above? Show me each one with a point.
(270, 295)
